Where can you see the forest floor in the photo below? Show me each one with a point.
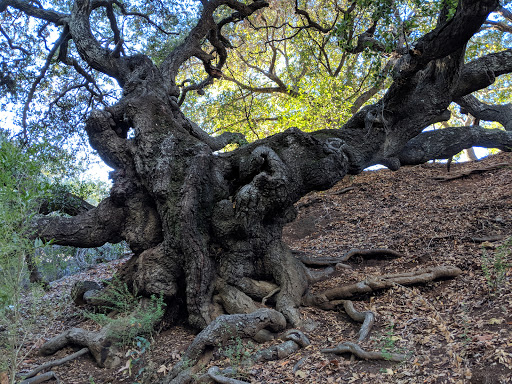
(455, 331)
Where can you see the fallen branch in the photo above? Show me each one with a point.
(54, 363)
(471, 172)
(376, 283)
(356, 350)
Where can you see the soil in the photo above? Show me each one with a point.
(455, 331)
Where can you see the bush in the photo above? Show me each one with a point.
(135, 316)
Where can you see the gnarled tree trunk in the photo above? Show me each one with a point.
(205, 227)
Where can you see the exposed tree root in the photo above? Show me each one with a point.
(294, 340)
(98, 343)
(51, 364)
(101, 344)
(41, 378)
(490, 239)
(215, 374)
(367, 253)
(356, 350)
(471, 172)
(375, 283)
(221, 330)
(366, 317)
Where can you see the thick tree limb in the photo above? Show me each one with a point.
(69, 204)
(93, 228)
(482, 111)
(447, 37)
(482, 72)
(26, 7)
(447, 142)
(206, 27)
(89, 48)
(216, 143)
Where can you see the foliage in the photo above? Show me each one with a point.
(238, 355)
(136, 317)
(387, 342)
(55, 262)
(496, 266)
(23, 187)
(19, 195)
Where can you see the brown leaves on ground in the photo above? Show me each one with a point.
(456, 331)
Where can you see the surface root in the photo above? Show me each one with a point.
(366, 317)
(471, 172)
(356, 350)
(215, 374)
(294, 340)
(367, 253)
(376, 283)
(221, 330)
(98, 344)
(51, 364)
(41, 378)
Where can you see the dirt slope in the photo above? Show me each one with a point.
(457, 331)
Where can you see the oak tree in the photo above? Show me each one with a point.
(205, 224)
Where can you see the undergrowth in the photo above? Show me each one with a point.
(131, 317)
(495, 266)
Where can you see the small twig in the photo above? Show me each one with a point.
(344, 190)
(356, 350)
(36, 82)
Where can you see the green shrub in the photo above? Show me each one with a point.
(495, 266)
(135, 317)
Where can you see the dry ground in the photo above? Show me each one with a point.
(456, 331)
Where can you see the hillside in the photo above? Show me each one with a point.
(456, 331)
